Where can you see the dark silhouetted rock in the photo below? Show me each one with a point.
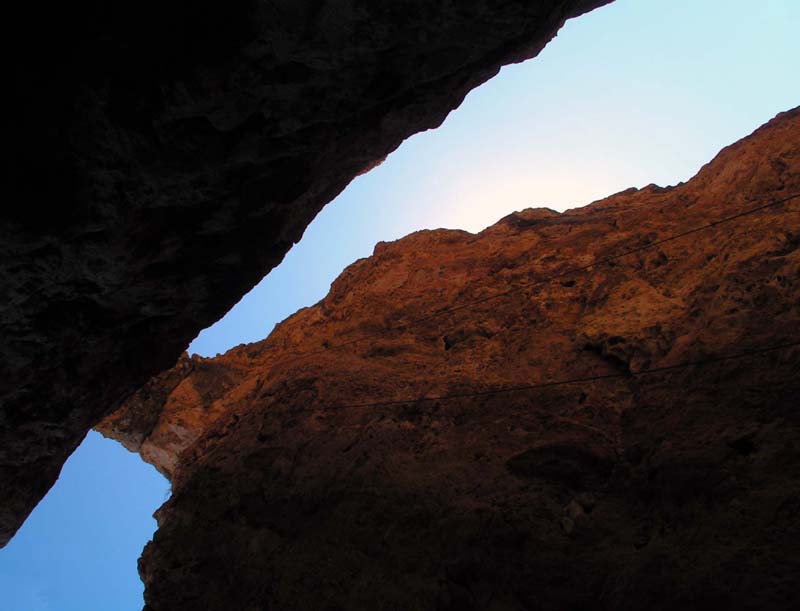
(165, 156)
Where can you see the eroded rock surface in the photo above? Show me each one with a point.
(323, 472)
(165, 155)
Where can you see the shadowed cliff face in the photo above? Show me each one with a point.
(304, 478)
(167, 155)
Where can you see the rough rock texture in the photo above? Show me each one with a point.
(310, 481)
(165, 155)
(167, 414)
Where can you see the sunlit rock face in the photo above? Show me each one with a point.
(168, 413)
(166, 155)
(305, 479)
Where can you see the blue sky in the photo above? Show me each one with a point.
(640, 91)
(637, 92)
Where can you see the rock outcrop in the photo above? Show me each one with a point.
(164, 157)
(371, 453)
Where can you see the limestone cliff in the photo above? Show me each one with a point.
(164, 156)
(370, 453)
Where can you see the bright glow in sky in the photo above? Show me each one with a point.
(637, 92)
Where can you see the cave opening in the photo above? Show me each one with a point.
(627, 95)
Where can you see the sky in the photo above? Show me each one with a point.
(638, 92)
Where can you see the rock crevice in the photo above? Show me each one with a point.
(166, 156)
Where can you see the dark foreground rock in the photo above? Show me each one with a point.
(360, 458)
(164, 156)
